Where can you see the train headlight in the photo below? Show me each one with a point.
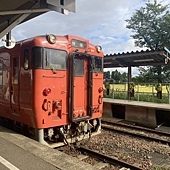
(51, 38)
(98, 48)
(47, 91)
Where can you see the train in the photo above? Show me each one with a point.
(51, 88)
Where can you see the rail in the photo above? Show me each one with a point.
(132, 127)
(108, 159)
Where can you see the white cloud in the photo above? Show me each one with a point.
(102, 22)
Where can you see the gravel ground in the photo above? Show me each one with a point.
(127, 148)
(142, 132)
(132, 150)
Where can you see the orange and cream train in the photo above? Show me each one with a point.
(51, 88)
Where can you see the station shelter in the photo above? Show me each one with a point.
(140, 112)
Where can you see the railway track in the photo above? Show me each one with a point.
(107, 159)
(150, 134)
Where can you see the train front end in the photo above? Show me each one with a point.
(67, 88)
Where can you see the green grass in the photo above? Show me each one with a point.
(143, 96)
(149, 88)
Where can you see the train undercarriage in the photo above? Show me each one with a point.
(57, 136)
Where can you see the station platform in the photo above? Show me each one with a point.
(145, 113)
(18, 152)
(138, 103)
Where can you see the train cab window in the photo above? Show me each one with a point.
(54, 59)
(15, 71)
(1, 73)
(37, 54)
(78, 67)
(97, 64)
(26, 59)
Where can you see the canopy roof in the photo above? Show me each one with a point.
(14, 12)
(135, 59)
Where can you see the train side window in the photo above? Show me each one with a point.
(15, 70)
(1, 73)
(97, 64)
(26, 59)
(78, 67)
(37, 54)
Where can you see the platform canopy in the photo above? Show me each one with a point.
(135, 59)
(14, 12)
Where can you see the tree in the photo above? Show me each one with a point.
(116, 76)
(124, 77)
(107, 75)
(150, 27)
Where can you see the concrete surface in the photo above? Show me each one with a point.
(27, 154)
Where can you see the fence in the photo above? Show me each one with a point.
(142, 92)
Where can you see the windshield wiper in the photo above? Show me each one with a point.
(51, 67)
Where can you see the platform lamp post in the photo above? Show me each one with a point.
(129, 80)
(168, 89)
(169, 97)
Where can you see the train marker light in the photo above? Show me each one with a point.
(100, 89)
(51, 38)
(47, 91)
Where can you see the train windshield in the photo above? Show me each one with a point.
(55, 59)
(49, 58)
(97, 64)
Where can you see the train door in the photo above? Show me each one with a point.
(80, 99)
(14, 89)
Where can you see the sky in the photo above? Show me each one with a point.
(102, 22)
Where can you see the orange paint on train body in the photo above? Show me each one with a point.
(52, 81)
